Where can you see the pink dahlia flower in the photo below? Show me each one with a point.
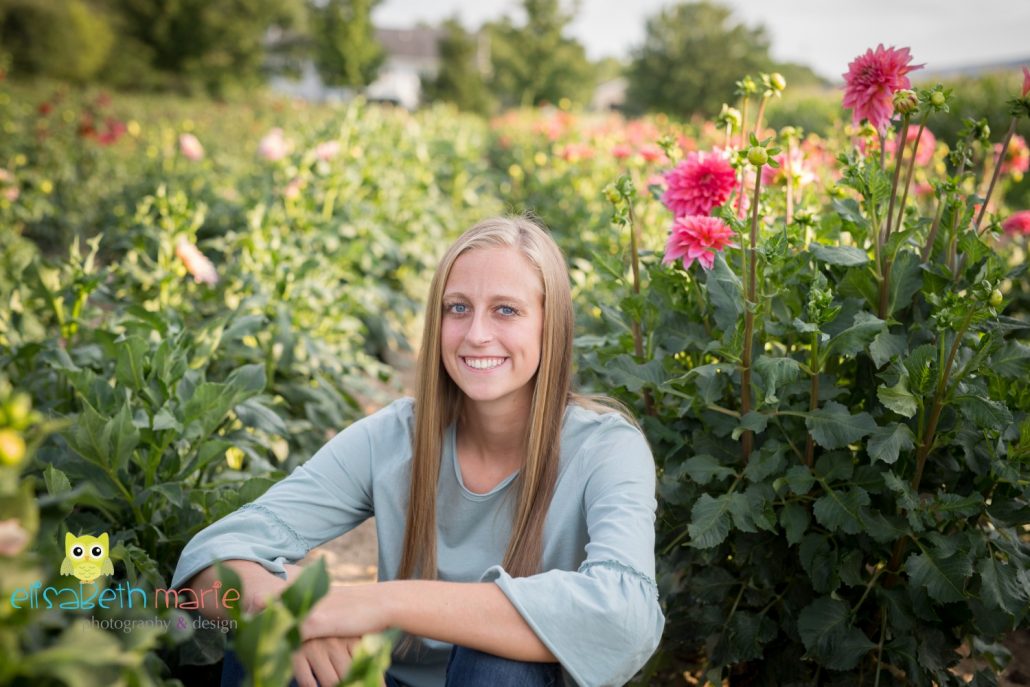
(274, 145)
(652, 153)
(698, 184)
(574, 152)
(927, 144)
(327, 150)
(696, 237)
(621, 151)
(190, 147)
(799, 170)
(196, 262)
(1026, 81)
(871, 81)
(1018, 223)
(1017, 157)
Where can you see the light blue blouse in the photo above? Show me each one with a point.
(596, 606)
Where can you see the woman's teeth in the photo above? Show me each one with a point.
(484, 363)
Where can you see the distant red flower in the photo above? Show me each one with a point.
(652, 153)
(1026, 81)
(621, 151)
(698, 184)
(1017, 157)
(45, 108)
(114, 129)
(696, 237)
(574, 152)
(1018, 223)
(871, 81)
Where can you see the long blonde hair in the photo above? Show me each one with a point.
(438, 403)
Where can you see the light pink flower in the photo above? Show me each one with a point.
(292, 190)
(695, 237)
(621, 151)
(190, 147)
(927, 144)
(1017, 157)
(1026, 81)
(574, 152)
(13, 537)
(196, 263)
(698, 184)
(1019, 223)
(799, 170)
(327, 150)
(652, 153)
(871, 81)
(273, 145)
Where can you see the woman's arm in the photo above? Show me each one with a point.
(259, 585)
(474, 615)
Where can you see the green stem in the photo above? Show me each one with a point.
(932, 236)
(997, 173)
(899, 158)
(813, 396)
(911, 169)
(638, 343)
(879, 649)
(749, 317)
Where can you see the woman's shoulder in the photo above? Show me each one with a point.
(593, 427)
(393, 421)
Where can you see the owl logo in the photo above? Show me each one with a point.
(87, 558)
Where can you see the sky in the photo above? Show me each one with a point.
(823, 34)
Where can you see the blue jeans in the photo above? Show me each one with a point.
(465, 668)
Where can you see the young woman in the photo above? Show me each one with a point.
(515, 518)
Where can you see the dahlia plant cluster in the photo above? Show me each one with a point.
(839, 404)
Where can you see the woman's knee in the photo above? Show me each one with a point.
(471, 668)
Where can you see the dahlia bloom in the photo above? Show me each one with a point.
(196, 262)
(1017, 157)
(927, 145)
(574, 152)
(652, 153)
(1026, 81)
(1018, 223)
(696, 237)
(698, 184)
(621, 151)
(274, 145)
(871, 81)
(190, 147)
(327, 150)
(799, 170)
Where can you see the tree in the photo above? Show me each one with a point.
(536, 63)
(66, 39)
(346, 50)
(460, 79)
(690, 59)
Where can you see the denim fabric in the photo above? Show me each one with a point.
(466, 668)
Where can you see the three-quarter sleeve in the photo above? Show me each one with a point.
(321, 499)
(603, 621)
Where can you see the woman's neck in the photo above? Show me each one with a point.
(494, 432)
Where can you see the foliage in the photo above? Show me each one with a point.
(346, 50)
(536, 63)
(690, 58)
(460, 79)
(65, 39)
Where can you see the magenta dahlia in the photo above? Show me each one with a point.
(698, 184)
(871, 81)
(697, 237)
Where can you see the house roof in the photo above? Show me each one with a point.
(420, 42)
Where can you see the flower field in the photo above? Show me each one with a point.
(827, 340)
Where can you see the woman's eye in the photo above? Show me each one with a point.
(458, 308)
(508, 310)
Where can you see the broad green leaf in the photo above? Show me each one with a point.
(841, 510)
(90, 436)
(887, 443)
(800, 479)
(984, 412)
(709, 521)
(711, 380)
(775, 372)
(998, 586)
(885, 346)
(309, 587)
(84, 655)
(768, 460)
(131, 353)
(854, 339)
(835, 466)
(906, 280)
(704, 468)
(56, 481)
(124, 437)
(819, 560)
(898, 398)
(752, 420)
(724, 293)
(847, 256)
(743, 638)
(921, 364)
(943, 578)
(833, 425)
(1012, 360)
(830, 637)
(625, 371)
(795, 520)
(849, 211)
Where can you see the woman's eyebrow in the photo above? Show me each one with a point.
(494, 298)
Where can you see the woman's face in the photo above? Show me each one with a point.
(493, 314)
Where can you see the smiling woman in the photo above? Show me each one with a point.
(511, 512)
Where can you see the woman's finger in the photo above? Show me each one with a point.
(340, 651)
(318, 654)
(301, 670)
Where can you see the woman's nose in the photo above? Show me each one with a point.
(479, 329)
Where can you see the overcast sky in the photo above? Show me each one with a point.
(824, 34)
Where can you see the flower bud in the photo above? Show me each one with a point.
(996, 298)
(612, 194)
(757, 156)
(729, 116)
(777, 81)
(937, 99)
(12, 447)
(905, 101)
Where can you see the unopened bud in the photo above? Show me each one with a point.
(730, 116)
(905, 101)
(757, 156)
(12, 447)
(777, 81)
(996, 298)
(937, 99)
(612, 194)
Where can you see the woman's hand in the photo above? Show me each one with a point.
(323, 661)
(347, 611)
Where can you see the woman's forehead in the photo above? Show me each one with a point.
(494, 271)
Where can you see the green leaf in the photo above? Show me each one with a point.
(776, 371)
(829, 636)
(709, 521)
(130, 353)
(833, 425)
(624, 371)
(724, 293)
(752, 420)
(906, 280)
(768, 460)
(887, 443)
(943, 578)
(56, 481)
(921, 364)
(310, 586)
(865, 327)
(898, 398)
(743, 638)
(847, 256)
(794, 519)
(124, 437)
(842, 510)
(885, 346)
(820, 562)
(998, 586)
(704, 468)
(800, 479)
(984, 412)
(1012, 360)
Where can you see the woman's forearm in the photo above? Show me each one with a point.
(259, 586)
(474, 615)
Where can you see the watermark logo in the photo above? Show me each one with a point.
(86, 557)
